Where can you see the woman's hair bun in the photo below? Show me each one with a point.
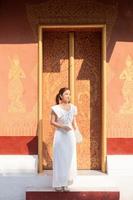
(60, 93)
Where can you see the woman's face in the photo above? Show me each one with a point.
(66, 96)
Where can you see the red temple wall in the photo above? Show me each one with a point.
(18, 69)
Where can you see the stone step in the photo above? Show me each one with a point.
(46, 194)
(88, 185)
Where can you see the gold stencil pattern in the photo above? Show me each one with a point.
(55, 76)
(18, 121)
(88, 97)
(19, 124)
(72, 12)
(127, 89)
(15, 86)
(120, 123)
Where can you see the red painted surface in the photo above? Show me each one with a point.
(25, 145)
(73, 195)
(28, 145)
(120, 146)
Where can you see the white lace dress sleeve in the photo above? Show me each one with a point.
(56, 110)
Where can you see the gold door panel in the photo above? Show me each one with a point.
(88, 97)
(87, 61)
(55, 76)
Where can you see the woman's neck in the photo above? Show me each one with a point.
(64, 103)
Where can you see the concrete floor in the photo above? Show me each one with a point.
(13, 186)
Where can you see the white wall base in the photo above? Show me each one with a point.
(116, 164)
(120, 165)
(18, 164)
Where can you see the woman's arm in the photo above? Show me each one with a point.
(74, 122)
(53, 122)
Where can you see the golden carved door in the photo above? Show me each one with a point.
(87, 84)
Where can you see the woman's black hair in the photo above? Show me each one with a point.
(60, 93)
(57, 99)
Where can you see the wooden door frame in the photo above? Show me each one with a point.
(101, 27)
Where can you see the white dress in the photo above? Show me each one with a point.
(64, 148)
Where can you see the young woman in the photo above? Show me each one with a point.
(64, 143)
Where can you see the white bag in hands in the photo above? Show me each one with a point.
(78, 135)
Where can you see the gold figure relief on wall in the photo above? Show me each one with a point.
(120, 122)
(127, 89)
(21, 122)
(15, 86)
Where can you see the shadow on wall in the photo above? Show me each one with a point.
(33, 146)
(123, 28)
(18, 145)
(47, 162)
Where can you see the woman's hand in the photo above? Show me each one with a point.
(62, 126)
(66, 128)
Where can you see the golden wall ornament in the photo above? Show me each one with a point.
(127, 89)
(120, 122)
(20, 121)
(72, 12)
(15, 86)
